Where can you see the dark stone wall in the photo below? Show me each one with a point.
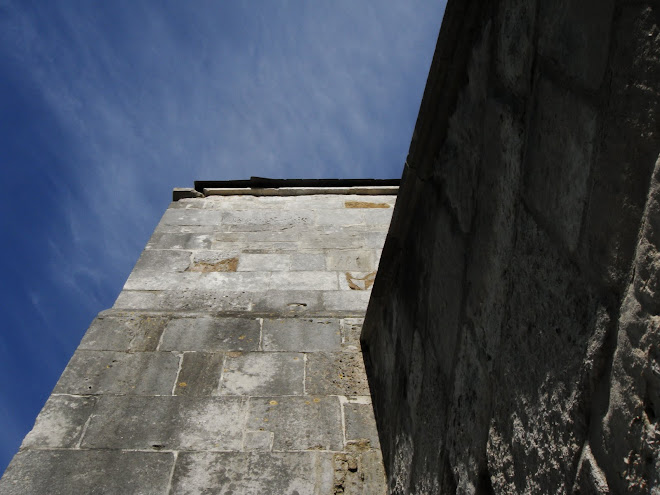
(512, 339)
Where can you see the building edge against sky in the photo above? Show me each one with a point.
(233, 351)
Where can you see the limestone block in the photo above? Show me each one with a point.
(200, 373)
(349, 301)
(271, 236)
(288, 302)
(110, 372)
(350, 333)
(378, 217)
(79, 472)
(337, 373)
(163, 260)
(262, 219)
(303, 281)
(263, 373)
(340, 217)
(192, 217)
(124, 333)
(211, 334)
(360, 423)
(352, 260)
(135, 299)
(298, 423)
(264, 262)
(60, 423)
(338, 240)
(164, 228)
(301, 334)
(186, 300)
(253, 473)
(172, 423)
(308, 262)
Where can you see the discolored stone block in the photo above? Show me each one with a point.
(79, 472)
(360, 423)
(337, 373)
(263, 373)
(199, 374)
(298, 423)
(211, 334)
(60, 423)
(124, 333)
(301, 334)
(109, 372)
(254, 473)
(172, 423)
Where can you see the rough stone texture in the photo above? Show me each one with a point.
(511, 338)
(230, 362)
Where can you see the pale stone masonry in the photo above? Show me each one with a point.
(230, 362)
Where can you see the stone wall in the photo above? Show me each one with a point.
(230, 362)
(512, 339)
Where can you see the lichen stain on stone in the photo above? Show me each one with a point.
(364, 204)
(360, 283)
(226, 265)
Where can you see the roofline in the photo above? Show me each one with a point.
(263, 182)
(261, 186)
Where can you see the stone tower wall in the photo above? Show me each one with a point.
(230, 362)
(512, 339)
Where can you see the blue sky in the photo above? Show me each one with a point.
(106, 106)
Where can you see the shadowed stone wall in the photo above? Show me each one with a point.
(230, 362)
(512, 339)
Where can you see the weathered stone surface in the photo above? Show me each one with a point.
(298, 423)
(60, 423)
(360, 425)
(127, 333)
(628, 440)
(69, 472)
(575, 37)
(337, 373)
(169, 423)
(199, 374)
(253, 474)
(263, 373)
(109, 372)
(211, 334)
(264, 262)
(561, 147)
(507, 348)
(163, 260)
(231, 351)
(301, 334)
